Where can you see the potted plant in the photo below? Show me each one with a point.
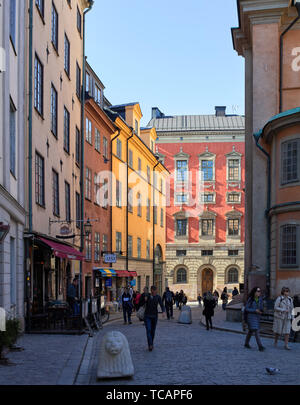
(8, 338)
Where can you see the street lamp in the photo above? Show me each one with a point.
(87, 228)
(4, 229)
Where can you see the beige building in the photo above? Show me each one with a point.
(54, 69)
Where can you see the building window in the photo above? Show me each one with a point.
(233, 169)
(87, 82)
(38, 85)
(119, 149)
(55, 192)
(12, 139)
(78, 21)
(67, 55)
(129, 246)
(105, 151)
(97, 247)
(232, 275)
(181, 198)
(66, 130)
(53, 111)
(88, 184)
(207, 169)
(148, 210)
(78, 214)
(181, 227)
(130, 158)
(39, 180)
(207, 227)
(289, 250)
(96, 189)
(206, 252)
(130, 200)
(118, 194)
(97, 97)
(139, 248)
(54, 28)
(88, 130)
(290, 161)
(139, 166)
(104, 243)
(139, 283)
(68, 201)
(208, 197)
(78, 146)
(233, 252)
(181, 276)
(162, 217)
(118, 242)
(12, 22)
(148, 249)
(40, 6)
(139, 204)
(88, 247)
(233, 197)
(180, 253)
(181, 170)
(233, 226)
(78, 80)
(148, 281)
(97, 140)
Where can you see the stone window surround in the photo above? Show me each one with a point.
(207, 192)
(230, 266)
(279, 227)
(181, 156)
(236, 193)
(207, 156)
(233, 155)
(181, 193)
(178, 267)
(207, 215)
(181, 215)
(233, 215)
(292, 183)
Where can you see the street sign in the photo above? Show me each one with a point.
(108, 282)
(110, 258)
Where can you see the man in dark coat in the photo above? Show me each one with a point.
(168, 301)
(209, 304)
(127, 305)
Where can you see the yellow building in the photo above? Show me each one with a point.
(138, 200)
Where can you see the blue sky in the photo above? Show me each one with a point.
(177, 56)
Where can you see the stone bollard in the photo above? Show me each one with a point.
(114, 357)
(185, 315)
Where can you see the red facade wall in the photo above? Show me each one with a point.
(221, 207)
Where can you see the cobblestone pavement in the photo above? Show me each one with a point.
(47, 359)
(189, 354)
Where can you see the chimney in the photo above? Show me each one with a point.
(156, 113)
(220, 111)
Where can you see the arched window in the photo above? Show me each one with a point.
(233, 275)
(181, 276)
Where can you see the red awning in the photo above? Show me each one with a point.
(123, 273)
(132, 274)
(63, 251)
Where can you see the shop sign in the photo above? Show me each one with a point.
(110, 258)
(132, 283)
(65, 230)
(108, 282)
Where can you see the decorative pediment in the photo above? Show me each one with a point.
(207, 155)
(233, 214)
(234, 154)
(181, 155)
(206, 214)
(181, 214)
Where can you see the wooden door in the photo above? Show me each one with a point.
(207, 280)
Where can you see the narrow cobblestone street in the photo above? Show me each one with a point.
(189, 354)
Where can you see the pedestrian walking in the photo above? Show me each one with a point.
(199, 298)
(127, 306)
(136, 300)
(177, 299)
(254, 309)
(209, 303)
(216, 296)
(283, 310)
(168, 301)
(151, 314)
(72, 298)
(235, 292)
(224, 298)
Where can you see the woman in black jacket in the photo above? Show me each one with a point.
(209, 304)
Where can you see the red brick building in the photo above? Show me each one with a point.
(97, 152)
(205, 211)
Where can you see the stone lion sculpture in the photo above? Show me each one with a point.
(114, 357)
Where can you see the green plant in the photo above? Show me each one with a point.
(10, 335)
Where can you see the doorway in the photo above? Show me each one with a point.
(207, 280)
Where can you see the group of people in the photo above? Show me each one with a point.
(283, 315)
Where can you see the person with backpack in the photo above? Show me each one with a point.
(209, 303)
(151, 302)
(283, 310)
(168, 301)
(253, 311)
(224, 298)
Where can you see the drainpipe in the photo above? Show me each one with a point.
(132, 133)
(297, 5)
(30, 117)
(257, 137)
(82, 143)
(153, 243)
